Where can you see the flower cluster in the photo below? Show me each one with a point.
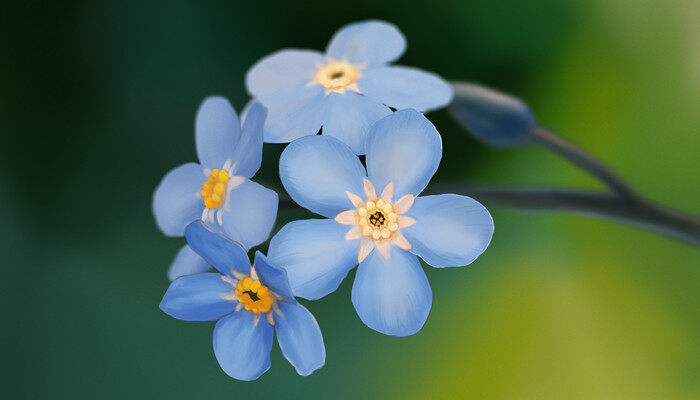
(373, 214)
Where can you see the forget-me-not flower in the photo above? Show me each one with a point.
(218, 190)
(346, 90)
(383, 230)
(249, 304)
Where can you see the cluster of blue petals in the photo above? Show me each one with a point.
(310, 258)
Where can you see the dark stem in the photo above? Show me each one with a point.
(641, 213)
(585, 161)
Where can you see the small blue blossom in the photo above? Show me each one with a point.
(382, 231)
(344, 91)
(218, 190)
(249, 303)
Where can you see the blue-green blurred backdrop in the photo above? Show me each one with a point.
(98, 101)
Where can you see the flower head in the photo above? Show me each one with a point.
(249, 302)
(383, 233)
(219, 190)
(346, 89)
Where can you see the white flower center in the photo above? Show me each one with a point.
(377, 221)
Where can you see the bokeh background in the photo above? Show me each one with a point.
(98, 102)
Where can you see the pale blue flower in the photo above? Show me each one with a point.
(345, 90)
(219, 190)
(383, 230)
(249, 304)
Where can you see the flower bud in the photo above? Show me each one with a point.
(493, 117)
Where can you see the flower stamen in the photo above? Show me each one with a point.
(337, 76)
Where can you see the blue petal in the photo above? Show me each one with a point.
(187, 262)
(198, 298)
(404, 87)
(403, 148)
(273, 277)
(217, 131)
(293, 113)
(315, 254)
(176, 201)
(282, 69)
(300, 338)
(450, 230)
(349, 117)
(371, 42)
(392, 296)
(242, 347)
(221, 252)
(318, 170)
(249, 213)
(247, 156)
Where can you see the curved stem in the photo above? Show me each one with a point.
(585, 161)
(642, 214)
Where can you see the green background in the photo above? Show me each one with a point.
(98, 102)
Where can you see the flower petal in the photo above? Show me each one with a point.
(392, 296)
(249, 213)
(350, 116)
(217, 131)
(176, 201)
(315, 254)
(198, 298)
(300, 338)
(404, 87)
(273, 277)
(247, 156)
(219, 251)
(317, 170)
(293, 113)
(450, 230)
(187, 262)
(282, 69)
(372, 42)
(405, 148)
(242, 347)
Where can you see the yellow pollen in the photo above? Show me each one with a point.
(337, 76)
(214, 188)
(254, 296)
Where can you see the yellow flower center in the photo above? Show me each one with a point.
(254, 296)
(377, 219)
(214, 188)
(336, 76)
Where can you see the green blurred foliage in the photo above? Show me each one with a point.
(98, 101)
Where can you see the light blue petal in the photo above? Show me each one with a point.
(450, 230)
(176, 201)
(250, 211)
(217, 131)
(317, 171)
(315, 254)
(219, 251)
(405, 87)
(247, 155)
(242, 347)
(187, 262)
(198, 298)
(274, 277)
(392, 296)
(300, 338)
(349, 117)
(371, 42)
(282, 69)
(293, 113)
(403, 148)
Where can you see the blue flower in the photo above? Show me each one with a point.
(219, 190)
(249, 303)
(382, 232)
(346, 90)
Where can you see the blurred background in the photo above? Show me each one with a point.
(98, 102)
